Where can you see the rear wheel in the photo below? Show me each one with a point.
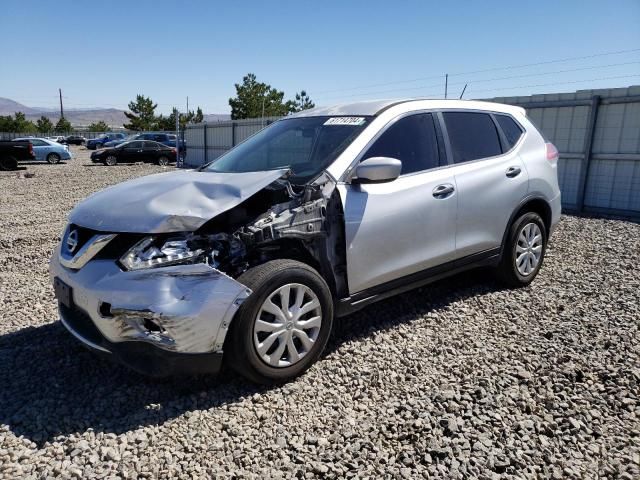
(53, 158)
(163, 161)
(111, 160)
(284, 325)
(524, 250)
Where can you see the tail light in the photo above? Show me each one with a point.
(30, 148)
(552, 152)
(173, 149)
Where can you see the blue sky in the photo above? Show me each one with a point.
(103, 53)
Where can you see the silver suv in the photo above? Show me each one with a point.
(318, 215)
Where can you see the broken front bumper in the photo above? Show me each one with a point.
(157, 321)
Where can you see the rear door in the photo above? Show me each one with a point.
(398, 228)
(490, 177)
(132, 152)
(150, 151)
(40, 148)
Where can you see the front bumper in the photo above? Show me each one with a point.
(159, 321)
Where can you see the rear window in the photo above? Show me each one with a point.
(472, 136)
(512, 131)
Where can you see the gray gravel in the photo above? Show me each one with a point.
(461, 379)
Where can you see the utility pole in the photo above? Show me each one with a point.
(446, 84)
(187, 105)
(61, 109)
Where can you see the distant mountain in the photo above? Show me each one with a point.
(81, 117)
(9, 107)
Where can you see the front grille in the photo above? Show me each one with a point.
(84, 235)
(82, 324)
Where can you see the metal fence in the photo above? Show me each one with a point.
(85, 134)
(207, 141)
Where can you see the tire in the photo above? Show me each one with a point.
(520, 262)
(111, 160)
(8, 163)
(53, 158)
(163, 161)
(266, 282)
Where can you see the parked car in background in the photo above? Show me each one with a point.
(75, 140)
(100, 142)
(135, 151)
(12, 151)
(47, 150)
(250, 257)
(169, 139)
(56, 138)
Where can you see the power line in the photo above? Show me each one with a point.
(471, 82)
(547, 62)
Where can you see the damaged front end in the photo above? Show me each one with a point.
(162, 300)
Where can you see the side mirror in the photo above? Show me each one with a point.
(378, 170)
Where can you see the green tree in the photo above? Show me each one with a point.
(301, 102)
(20, 124)
(198, 117)
(44, 125)
(6, 123)
(63, 126)
(98, 127)
(253, 99)
(142, 115)
(168, 123)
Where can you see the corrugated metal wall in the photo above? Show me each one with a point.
(596, 131)
(207, 141)
(598, 135)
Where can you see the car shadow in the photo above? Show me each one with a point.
(43, 162)
(52, 385)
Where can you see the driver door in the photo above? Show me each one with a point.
(404, 226)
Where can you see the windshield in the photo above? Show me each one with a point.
(307, 145)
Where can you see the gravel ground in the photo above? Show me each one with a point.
(461, 379)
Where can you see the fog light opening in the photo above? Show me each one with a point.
(105, 310)
(153, 327)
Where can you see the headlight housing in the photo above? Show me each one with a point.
(151, 252)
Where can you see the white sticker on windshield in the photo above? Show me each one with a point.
(354, 121)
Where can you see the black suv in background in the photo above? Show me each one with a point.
(74, 140)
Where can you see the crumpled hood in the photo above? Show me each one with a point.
(178, 201)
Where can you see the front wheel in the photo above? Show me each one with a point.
(524, 250)
(163, 161)
(53, 158)
(284, 325)
(110, 161)
(8, 163)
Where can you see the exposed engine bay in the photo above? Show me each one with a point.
(280, 221)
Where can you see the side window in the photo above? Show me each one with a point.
(135, 145)
(512, 131)
(472, 136)
(39, 143)
(412, 140)
(150, 145)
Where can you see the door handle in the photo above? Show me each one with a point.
(513, 172)
(443, 191)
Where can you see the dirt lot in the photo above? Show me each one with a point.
(461, 379)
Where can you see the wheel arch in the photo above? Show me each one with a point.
(534, 203)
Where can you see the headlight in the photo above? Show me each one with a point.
(148, 253)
